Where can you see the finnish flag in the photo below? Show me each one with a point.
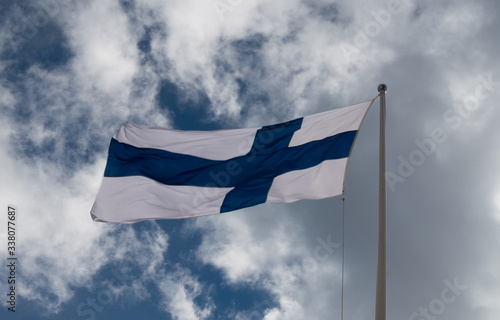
(157, 173)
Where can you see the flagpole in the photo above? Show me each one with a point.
(380, 302)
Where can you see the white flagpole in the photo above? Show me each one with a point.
(380, 303)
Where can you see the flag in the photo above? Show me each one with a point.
(157, 173)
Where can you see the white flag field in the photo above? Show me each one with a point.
(158, 173)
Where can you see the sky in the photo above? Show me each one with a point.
(71, 73)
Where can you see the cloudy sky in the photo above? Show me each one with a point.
(72, 73)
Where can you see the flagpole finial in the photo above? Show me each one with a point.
(382, 88)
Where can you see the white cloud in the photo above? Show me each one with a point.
(59, 245)
(268, 252)
(179, 290)
(233, 244)
(105, 50)
(7, 99)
